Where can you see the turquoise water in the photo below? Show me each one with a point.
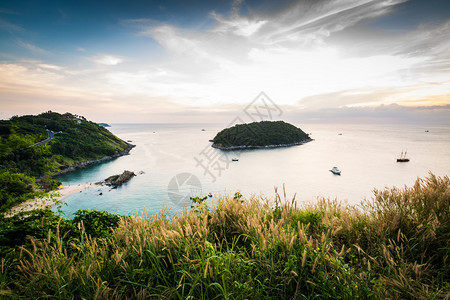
(366, 155)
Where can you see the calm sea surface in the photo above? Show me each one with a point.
(366, 155)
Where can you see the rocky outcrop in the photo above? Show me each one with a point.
(118, 180)
(88, 163)
(260, 147)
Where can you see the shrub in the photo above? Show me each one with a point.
(96, 223)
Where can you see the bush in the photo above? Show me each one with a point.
(96, 223)
(16, 188)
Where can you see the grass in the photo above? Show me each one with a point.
(394, 246)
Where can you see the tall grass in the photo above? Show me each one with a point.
(395, 246)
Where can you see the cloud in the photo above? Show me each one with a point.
(290, 54)
(238, 25)
(387, 114)
(33, 48)
(309, 56)
(108, 60)
(10, 27)
(303, 21)
(51, 67)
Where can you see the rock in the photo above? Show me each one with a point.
(118, 180)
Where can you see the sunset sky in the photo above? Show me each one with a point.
(204, 61)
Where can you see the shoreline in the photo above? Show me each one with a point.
(66, 190)
(53, 197)
(261, 147)
(85, 164)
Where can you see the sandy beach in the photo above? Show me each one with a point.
(53, 197)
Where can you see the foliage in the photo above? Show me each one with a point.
(75, 140)
(15, 188)
(16, 230)
(260, 134)
(245, 248)
(96, 223)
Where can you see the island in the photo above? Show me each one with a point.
(260, 135)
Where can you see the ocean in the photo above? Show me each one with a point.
(174, 162)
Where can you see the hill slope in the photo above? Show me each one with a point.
(263, 134)
(33, 148)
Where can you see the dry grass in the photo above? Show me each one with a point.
(397, 246)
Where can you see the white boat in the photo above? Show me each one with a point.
(336, 171)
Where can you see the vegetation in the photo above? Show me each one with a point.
(26, 167)
(259, 134)
(394, 246)
(16, 188)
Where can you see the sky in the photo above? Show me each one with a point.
(171, 61)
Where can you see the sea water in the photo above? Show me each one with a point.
(175, 161)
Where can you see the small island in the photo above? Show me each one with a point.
(260, 135)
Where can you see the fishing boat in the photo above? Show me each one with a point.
(402, 157)
(234, 159)
(336, 171)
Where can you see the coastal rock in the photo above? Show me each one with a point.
(118, 180)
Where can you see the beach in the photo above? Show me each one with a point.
(52, 198)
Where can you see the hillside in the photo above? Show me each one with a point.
(33, 148)
(259, 135)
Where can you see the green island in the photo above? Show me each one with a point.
(35, 148)
(256, 135)
(392, 246)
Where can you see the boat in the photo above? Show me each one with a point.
(402, 157)
(234, 159)
(336, 171)
(209, 195)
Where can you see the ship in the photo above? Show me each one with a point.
(402, 157)
(336, 171)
